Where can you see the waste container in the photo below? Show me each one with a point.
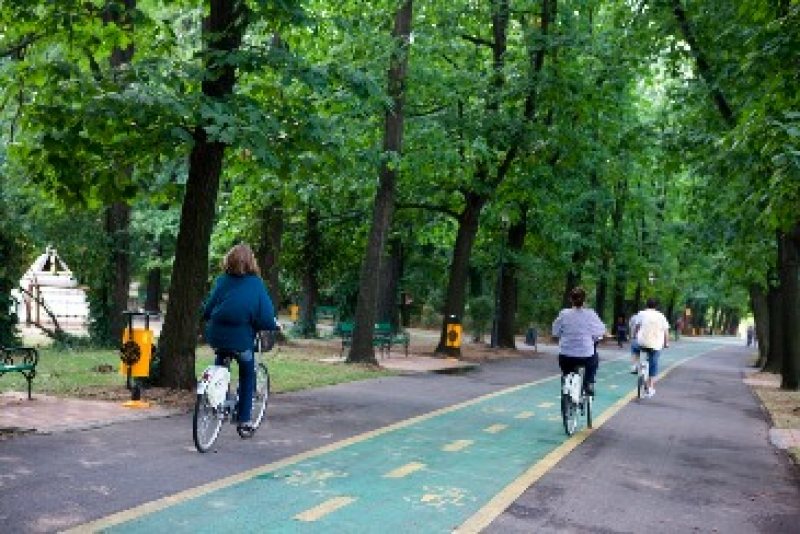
(530, 336)
(453, 329)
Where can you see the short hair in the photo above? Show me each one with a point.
(240, 261)
(577, 296)
(652, 303)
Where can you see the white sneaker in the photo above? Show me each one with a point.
(634, 369)
(650, 392)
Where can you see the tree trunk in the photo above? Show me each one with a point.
(789, 273)
(152, 301)
(362, 349)
(269, 249)
(388, 307)
(509, 269)
(573, 279)
(459, 269)
(774, 362)
(117, 227)
(602, 288)
(222, 32)
(310, 282)
(758, 301)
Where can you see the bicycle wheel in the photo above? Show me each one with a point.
(588, 400)
(206, 424)
(260, 400)
(569, 414)
(639, 383)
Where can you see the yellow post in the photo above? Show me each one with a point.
(294, 312)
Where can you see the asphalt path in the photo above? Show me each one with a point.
(694, 457)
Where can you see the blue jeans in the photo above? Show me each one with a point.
(652, 359)
(247, 380)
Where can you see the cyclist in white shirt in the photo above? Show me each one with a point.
(652, 335)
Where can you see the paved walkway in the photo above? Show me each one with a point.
(430, 453)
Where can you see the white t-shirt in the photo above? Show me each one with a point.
(653, 328)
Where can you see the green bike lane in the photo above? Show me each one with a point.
(453, 468)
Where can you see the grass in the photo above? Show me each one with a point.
(83, 372)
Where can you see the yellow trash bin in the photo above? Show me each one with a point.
(138, 341)
(453, 339)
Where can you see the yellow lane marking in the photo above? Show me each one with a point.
(524, 415)
(613, 386)
(546, 405)
(483, 517)
(494, 429)
(457, 445)
(193, 493)
(404, 470)
(321, 510)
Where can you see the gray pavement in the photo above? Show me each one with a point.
(694, 458)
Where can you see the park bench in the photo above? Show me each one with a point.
(327, 312)
(21, 360)
(382, 337)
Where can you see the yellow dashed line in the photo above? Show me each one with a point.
(524, 415)
(404, 470)
(320, 511)
(494, 429)
(546, 405)
(507, 496)
(458, 445)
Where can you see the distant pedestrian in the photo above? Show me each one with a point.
(621, 330)
(751, 333)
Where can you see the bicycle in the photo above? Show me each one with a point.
(216, 402)
(642, 375)
(574, 399)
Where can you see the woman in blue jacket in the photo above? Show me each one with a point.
(236, 309)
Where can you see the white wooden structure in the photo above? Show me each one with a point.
(49, 285)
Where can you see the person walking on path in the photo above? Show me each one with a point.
(620, 331)
(652, 335)
(577, 329)
(237, 308)
(751, 333)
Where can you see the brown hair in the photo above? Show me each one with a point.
(240, 260)
(577, 296)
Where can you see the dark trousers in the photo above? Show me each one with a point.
(247, 379)
(569, 364)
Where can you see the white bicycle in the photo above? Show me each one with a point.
(217, 402)
(643, 374)
(575, 400)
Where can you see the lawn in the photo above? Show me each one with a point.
(84, 372)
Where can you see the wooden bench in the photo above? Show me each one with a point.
(21, 360)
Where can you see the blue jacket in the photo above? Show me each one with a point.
(237, 308)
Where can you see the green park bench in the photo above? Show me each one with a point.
(327, 312)
(21, 360)
(382, 337)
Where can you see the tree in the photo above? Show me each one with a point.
(362, 349)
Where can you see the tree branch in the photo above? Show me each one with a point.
(703, 66)
(425, 206)
(479, 41)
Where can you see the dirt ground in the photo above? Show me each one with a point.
(782, 406)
